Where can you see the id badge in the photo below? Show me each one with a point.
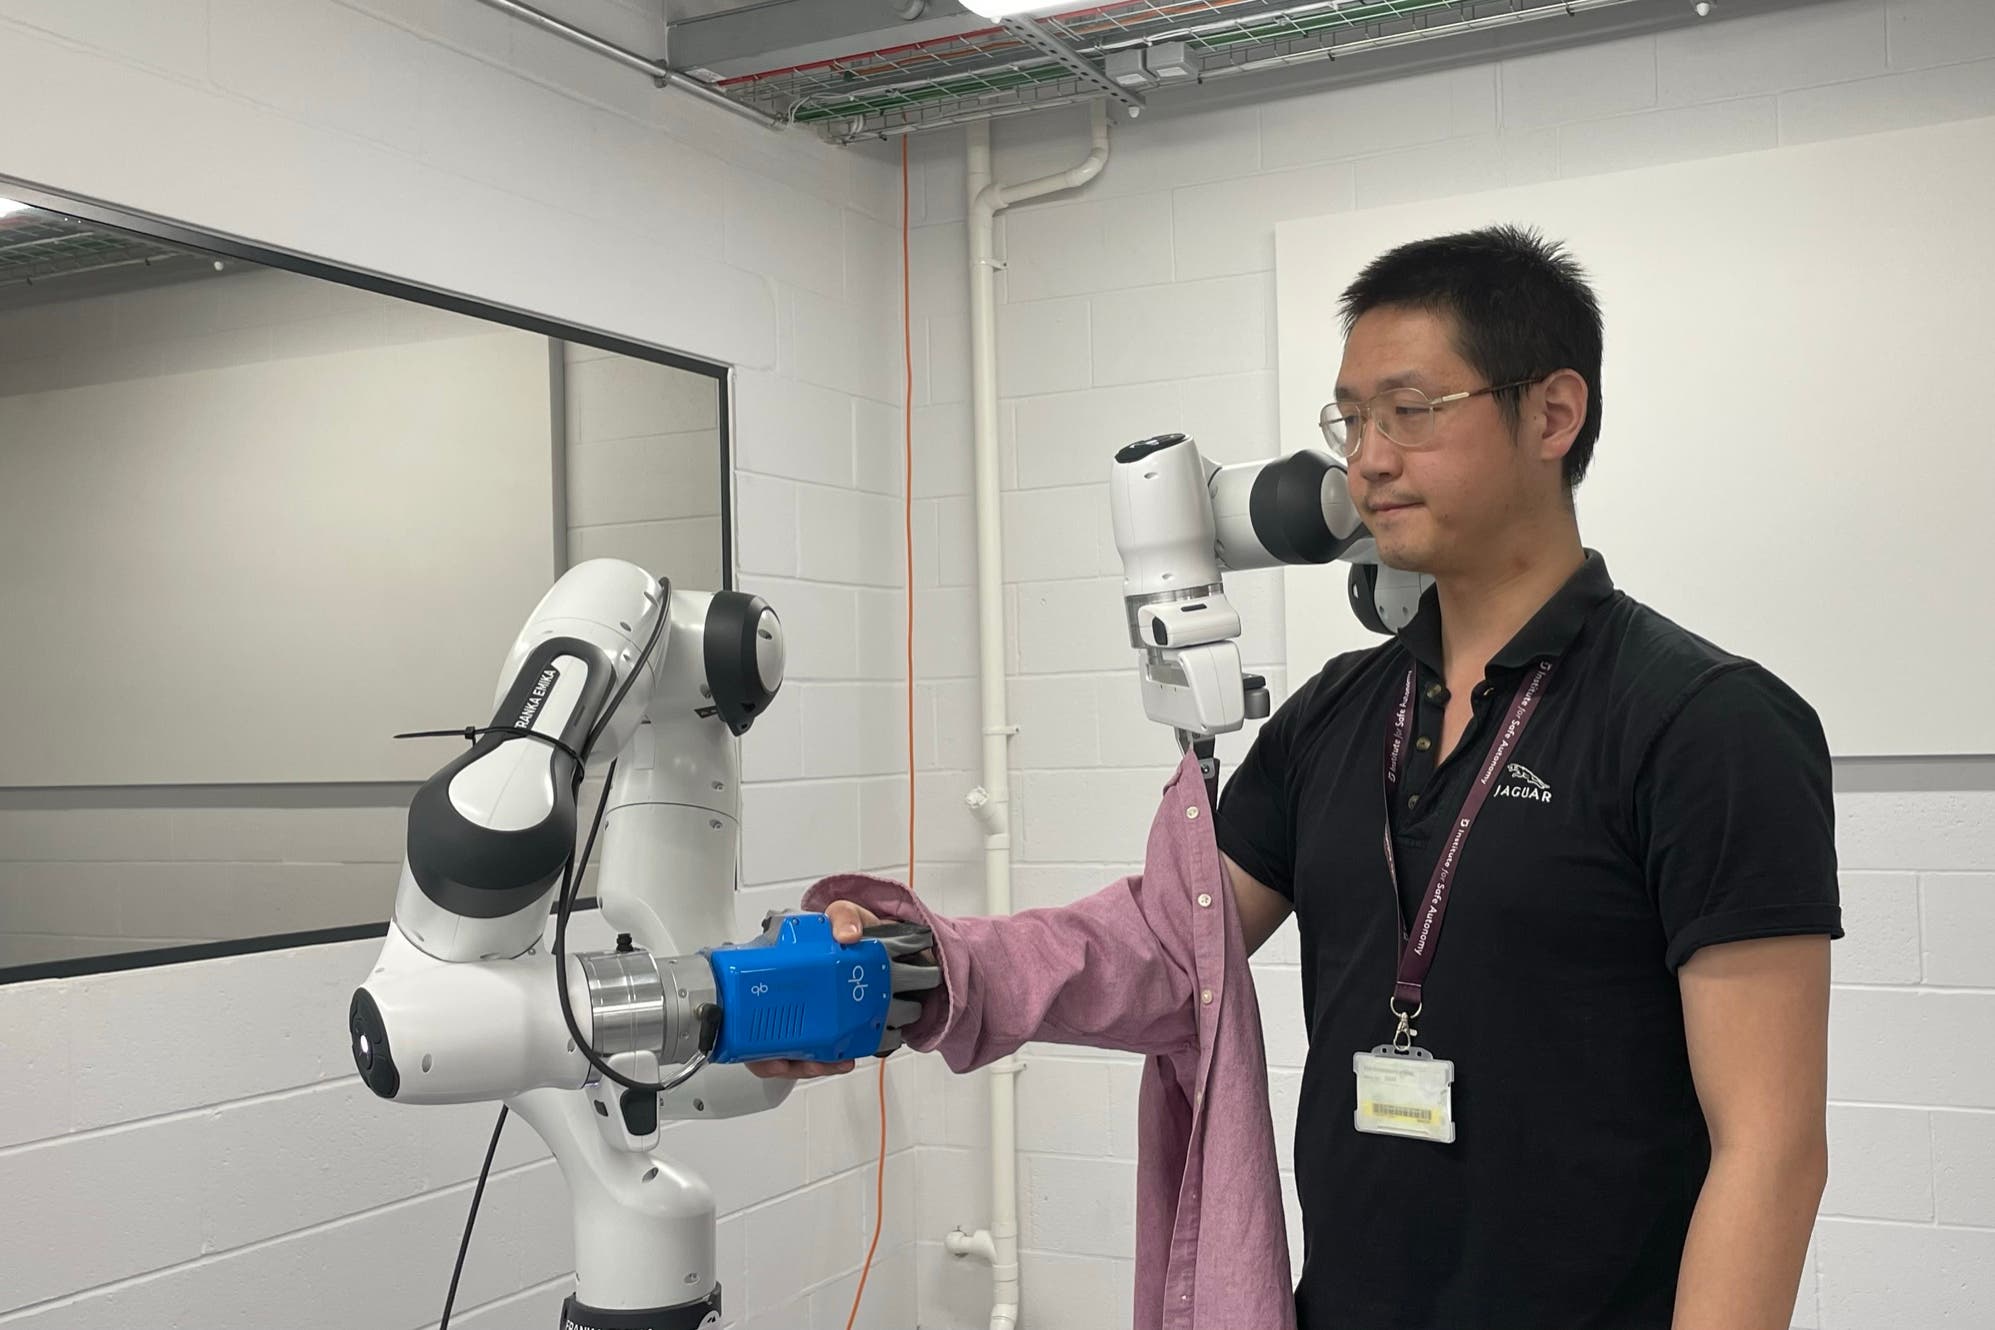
(1406, 1093)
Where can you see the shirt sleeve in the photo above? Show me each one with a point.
(1735, 818)
(1253, 822)
(1100, 972)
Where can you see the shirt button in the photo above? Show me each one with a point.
(1435, 692)
(1412, 801)
(1205, 996)
(1423, 743)
(1204, 900)
(1192, 813)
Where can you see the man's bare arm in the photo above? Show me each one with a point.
(1262, 908)
(1756, 1018)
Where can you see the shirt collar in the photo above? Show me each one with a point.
(1550, 631)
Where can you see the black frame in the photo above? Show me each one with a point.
(117, 218)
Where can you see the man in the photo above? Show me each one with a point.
(1614, 861)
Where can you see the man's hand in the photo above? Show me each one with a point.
(848, 922)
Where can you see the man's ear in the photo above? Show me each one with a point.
(1553, 428)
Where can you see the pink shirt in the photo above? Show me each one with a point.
(1154, 964)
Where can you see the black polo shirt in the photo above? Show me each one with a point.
(1666, 796)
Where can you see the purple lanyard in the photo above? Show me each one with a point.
(1416, 955)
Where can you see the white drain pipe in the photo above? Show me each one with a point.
(991, 801)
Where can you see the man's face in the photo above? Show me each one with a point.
(1444, 508)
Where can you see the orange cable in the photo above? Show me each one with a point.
(879, 1202)
(907, 536)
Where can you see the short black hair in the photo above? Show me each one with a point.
(1522, 310)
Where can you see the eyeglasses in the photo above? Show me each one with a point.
(1404, 416)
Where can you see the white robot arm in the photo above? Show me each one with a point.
(464, 1003)
(1181, 522)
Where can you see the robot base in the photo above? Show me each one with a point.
(686, 1316)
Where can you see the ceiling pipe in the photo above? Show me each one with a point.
(663, 75)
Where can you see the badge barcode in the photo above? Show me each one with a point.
(1400, 1111)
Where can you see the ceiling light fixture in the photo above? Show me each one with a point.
(1004, 9)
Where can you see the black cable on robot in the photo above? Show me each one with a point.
(571, 878)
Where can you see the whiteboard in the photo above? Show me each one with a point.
(1798, 452)
(260, 572)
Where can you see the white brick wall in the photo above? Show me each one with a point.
(1107, 342)
(188, 1144)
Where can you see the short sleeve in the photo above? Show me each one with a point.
(1735, 817)
(1253, 821)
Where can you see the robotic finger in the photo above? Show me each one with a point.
(901, 939)
(912, 950)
